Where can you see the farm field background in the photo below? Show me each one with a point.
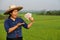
(45, 27)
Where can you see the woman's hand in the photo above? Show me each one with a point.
(20, 24)
(31, 19)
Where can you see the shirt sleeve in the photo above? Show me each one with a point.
(25, 25)
(6, 25)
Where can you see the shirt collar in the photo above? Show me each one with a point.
(11, 19)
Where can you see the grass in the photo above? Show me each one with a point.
(44, 28)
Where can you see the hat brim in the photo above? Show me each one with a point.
(9, 10)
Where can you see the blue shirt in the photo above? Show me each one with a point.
(10, 23)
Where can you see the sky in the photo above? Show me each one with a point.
(31, 4)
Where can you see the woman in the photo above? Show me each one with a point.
(13, 25)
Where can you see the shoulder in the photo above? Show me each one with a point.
(7, 20)
(19, 18)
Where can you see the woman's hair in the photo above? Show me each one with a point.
(10, 14)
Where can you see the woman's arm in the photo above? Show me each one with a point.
(15, 27)
(12, 29)
(30, 24)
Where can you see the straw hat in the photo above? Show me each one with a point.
(13, 7)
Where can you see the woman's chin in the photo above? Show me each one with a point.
(15, 17)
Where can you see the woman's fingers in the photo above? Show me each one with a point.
(20, 24)
(31, 19)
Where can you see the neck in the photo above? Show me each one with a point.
(13, 18)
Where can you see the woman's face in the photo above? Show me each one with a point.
(14, 13)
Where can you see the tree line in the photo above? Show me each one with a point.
(55, 12)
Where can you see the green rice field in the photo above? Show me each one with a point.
(45, 27)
